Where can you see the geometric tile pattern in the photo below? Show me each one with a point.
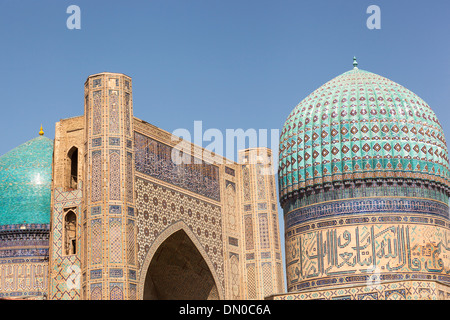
(264, 231)
(251, 278)
(230, 206)
(115, 240)
(96, 184)
(360, 125)
(116, 291)
(114, 116)
(246, 183)
(267, 278)
(127, 114)
(129, 177)
(260, 223)
(261, 193)
(368, 205)
(114, 175)
(393, 190)
(159, 207)
(110, 222)
(280, 287)
(64, 268)
(275, 233)
(131, 238)
(97, 112)
(133, 292)
(396, 290)
(96, 241)
(23, 266)
(96, 291)
(248, 232)
(234, 263)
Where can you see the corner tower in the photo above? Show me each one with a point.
(109, 254)
(262, 250)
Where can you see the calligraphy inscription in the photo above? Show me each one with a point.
(360, 250)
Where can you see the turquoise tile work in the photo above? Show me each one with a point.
(25, 183)
(357, 126)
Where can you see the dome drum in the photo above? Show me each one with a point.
(293, 194)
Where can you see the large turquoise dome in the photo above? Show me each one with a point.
(361, 126)
(25, 183)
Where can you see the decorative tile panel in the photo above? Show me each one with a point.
(159, 207)
(115, 240)
(155, 159)
(97, 112)
(114, 115)
(96, 185)
(114, 175)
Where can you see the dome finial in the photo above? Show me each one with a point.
(355, 63)
(41, 132)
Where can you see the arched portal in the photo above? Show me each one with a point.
(178, 271)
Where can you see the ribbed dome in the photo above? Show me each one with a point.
(25, 183)
(361, 126)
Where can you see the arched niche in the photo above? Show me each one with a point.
(178, 269)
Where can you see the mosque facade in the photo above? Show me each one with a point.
(105, 211)
(113, 209)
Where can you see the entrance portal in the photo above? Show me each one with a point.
(179, 272)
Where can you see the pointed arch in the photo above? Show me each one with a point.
(179, 230)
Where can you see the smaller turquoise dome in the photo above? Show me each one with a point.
(25, 183)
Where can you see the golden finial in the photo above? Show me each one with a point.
(41, 132)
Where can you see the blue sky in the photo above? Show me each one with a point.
(231, 64)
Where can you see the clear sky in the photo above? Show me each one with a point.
(231, 64)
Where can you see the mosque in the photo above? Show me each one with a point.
(103, 212)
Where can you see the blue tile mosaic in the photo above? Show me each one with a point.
(25, 183)
(115, 209)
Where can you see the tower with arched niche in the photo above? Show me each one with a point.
(109, 255)
(66, 206)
